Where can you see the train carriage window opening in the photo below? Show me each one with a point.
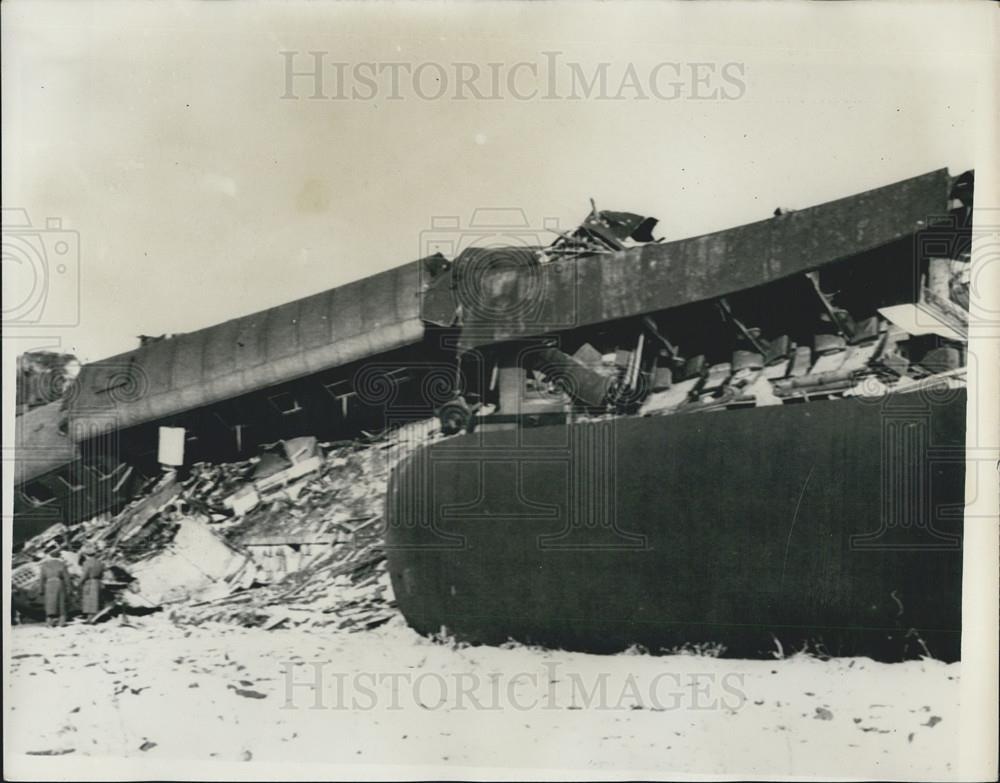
(285, 403)
(38, 494)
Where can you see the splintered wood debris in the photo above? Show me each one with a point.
(308, 552)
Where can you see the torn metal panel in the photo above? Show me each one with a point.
(918, 319)
(606, 230)
(568, 293)
(621, 225)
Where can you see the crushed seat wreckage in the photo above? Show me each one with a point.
(812, 332)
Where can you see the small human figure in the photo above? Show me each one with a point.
(55, 583)
(90, 592)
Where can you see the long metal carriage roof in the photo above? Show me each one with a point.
(293, 340)
(526, 297)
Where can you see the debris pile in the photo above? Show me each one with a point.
(602, 231)
(347, 588)
(291, 537)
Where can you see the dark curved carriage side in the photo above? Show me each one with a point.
(834, 522)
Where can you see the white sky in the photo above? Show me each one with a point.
(157, 132)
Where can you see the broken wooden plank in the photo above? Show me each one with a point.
(299, 469)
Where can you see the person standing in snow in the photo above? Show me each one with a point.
(55, 583)
(93, 573)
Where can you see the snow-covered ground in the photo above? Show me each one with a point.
(157, 692)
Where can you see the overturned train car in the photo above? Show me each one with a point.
(751, 440)
(592, 502)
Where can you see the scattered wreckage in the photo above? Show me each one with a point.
(580, 505)
(290, 537)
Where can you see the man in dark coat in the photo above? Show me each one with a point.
(93, 573)
(55, 584)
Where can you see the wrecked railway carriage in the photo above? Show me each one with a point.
(583, 506)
